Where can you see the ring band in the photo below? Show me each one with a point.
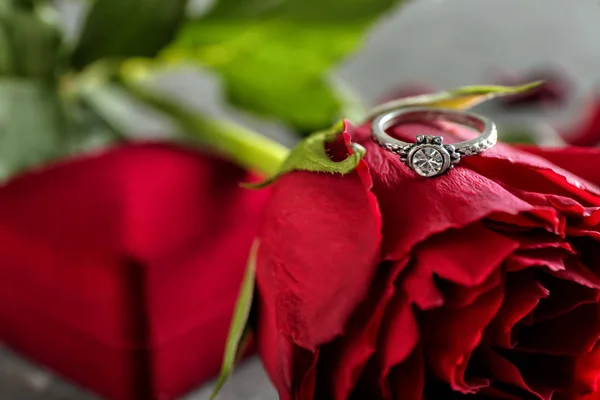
(429, 156)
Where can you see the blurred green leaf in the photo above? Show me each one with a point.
(33, 125)
(275, 56)
(238, 328)
(128, 28)
(311, 155)
(29, 46)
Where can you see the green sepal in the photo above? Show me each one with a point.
(238, 330)
(461, 98)
(311, 155)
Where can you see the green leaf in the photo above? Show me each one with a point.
(275, 56)
(311, 155)
(33, 125)
(128, 28)
(29, 46)
(462, 98)
(238, 329)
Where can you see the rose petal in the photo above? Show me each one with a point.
(587, 376)
(542, 371)
(526, 171)
(554, 263)
(399, 336)
(565, 296)
(523, 259)
(456, 296)
(347, 356)
(537, 239)
(584, 162)
(581, 326)
(522, 294)
(502, 370)
(466, 257)
(452, 334)
(274, 349)
(587, 133)
(306, 369)
(584, 233)
(457, 199)
(407, 380)
(329, 221)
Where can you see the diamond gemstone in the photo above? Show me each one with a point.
(427, 161)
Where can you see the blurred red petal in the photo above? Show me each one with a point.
(586, 131)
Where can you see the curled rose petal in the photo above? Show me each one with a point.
(459, 256)
(349, 354)
(505, 372)
(584, 162)
(314, 304)
(452, 334)
(407, 379)
(400, 335)
(523, 294)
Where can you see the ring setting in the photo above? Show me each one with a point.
(429, 156)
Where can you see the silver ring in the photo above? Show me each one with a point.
(429, 156)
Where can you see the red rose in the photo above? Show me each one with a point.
(586, 133)
(482, 283)
(120, 270)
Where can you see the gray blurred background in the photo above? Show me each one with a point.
(447, 43)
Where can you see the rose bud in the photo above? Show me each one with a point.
(553, 91)
(120, 270)
(482, 283)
